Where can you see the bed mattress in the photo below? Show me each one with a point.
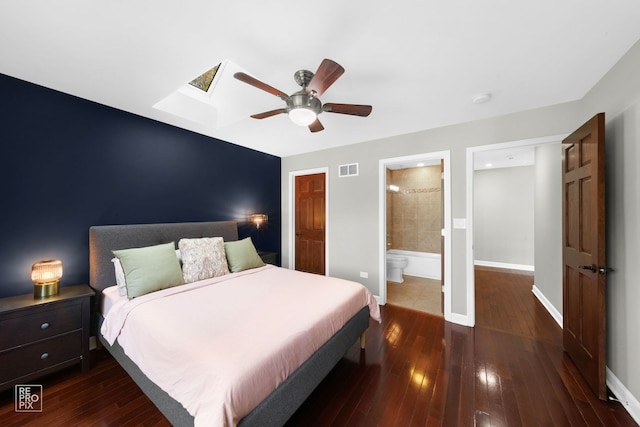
(220, 346)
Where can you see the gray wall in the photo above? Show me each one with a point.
(618, 94)
(503, 207)
(353, 203)
(548, 223)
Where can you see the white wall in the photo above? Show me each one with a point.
(503, 215)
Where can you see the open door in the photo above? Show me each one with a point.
(584, 275)
(310, 221)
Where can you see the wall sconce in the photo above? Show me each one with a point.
(258, 219)
(46, 275)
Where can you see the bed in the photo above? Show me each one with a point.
(292, 386)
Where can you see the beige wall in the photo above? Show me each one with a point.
(414, 212)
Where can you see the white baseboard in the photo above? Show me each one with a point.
(504, 265)
(623, 395)
(557, 316)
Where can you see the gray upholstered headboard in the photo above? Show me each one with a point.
(105, 238)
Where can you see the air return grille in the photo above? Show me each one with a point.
(348, 170)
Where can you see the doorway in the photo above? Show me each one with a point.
(547, 262)
(442, 231)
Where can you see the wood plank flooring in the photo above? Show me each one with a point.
(417, 370)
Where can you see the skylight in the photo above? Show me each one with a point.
(203, 81)
(195, 101)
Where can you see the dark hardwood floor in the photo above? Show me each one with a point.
(417, 370)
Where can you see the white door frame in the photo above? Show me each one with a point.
(382, 232)
(292, 215)
(470, 273)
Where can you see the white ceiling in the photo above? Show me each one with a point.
(419, 63)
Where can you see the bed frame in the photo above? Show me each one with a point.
(278, 407)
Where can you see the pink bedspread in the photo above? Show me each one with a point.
(220, 346)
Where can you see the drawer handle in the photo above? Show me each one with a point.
(45, 325)
(44, 356)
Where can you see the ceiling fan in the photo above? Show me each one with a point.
(304, 106)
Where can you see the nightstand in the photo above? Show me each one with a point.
(268, 257)
(40, 336)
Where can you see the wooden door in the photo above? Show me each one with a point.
(584, 275)
(310, 223)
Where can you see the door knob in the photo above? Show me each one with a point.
(604, 270)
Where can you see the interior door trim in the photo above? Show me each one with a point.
(292, 215)
(382, 226)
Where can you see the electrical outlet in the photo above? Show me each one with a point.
(364, 274)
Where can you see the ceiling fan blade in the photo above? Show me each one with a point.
(269, 113)
(260, 85)
(316, 126)
(352, 109)
(328, 72)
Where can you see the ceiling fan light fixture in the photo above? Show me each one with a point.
(304, 107)
(302, 116)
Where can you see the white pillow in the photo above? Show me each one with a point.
(120, 281)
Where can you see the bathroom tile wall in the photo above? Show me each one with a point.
(414, 212)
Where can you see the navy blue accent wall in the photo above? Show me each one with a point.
(68, 164)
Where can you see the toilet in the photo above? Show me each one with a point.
(395, 266)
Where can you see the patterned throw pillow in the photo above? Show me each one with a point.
(203, 258)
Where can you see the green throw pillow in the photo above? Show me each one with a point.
(242, 255)
(150, 268)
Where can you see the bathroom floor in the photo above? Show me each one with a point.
(416, 293)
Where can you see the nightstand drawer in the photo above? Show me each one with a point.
(41, 355)
(40, 323)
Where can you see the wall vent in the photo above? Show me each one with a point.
(348, 170)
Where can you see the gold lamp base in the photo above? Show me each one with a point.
(44, 290)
